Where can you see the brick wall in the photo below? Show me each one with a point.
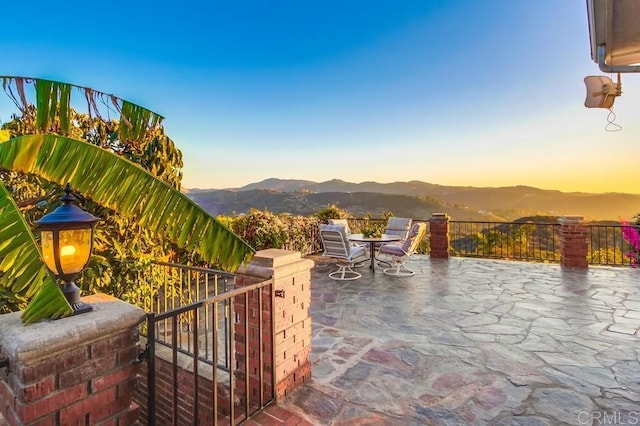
(184, 391)
(292, 323)
(77, 370)
(250, 348)
(253, 359)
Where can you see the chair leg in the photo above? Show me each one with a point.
(386, 259)
(359, 264)
(399, 270)
(344, 273)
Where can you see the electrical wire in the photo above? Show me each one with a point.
(611, 126)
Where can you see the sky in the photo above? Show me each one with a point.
(459, 92)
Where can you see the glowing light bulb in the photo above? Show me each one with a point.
(67, 251)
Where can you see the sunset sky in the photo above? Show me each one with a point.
(471, 93)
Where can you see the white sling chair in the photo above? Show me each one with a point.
(400, 251)
(336, 245)
(399, 226)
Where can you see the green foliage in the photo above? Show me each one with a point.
(23, 273)
(49, 302)
(332, 212)
(504, 241)
(263, 229)
(53, 103)
(302, 233)
(605, 256)
(370, 227)
(128, 189)
(151, 227)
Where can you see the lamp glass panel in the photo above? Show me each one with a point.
(75, 249)
(46, 240)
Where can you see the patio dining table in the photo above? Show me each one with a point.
(384, 238)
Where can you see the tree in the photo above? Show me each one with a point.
(128, 167)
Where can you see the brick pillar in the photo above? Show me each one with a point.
(574, 234)
(292, 284)
(439, 236)
(73, 371)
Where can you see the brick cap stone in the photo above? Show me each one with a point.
(570, 220)
(265, 262)
(272, 258)
(31, 343)
(440, 216)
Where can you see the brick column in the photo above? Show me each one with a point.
(292, 284)
(439, 236)
(574, 234)
(76, 370)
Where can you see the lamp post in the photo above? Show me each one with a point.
(67, 240)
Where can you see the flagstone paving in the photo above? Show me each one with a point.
(472, 342)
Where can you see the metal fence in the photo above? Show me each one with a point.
(356, 225)
(505, 240)
(199, 329)
(530, 241)
(607, 246)
(310, 242)
(180, 286)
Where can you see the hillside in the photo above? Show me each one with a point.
(415, 199)
(225, 202)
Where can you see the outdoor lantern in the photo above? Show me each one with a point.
(67, 239)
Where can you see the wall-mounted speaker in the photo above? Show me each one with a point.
(601, 91)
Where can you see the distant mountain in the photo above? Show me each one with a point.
(416, 199)
(337, 185)
(280, 185)
(225, 202)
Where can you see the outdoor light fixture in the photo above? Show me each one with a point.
(67, 239)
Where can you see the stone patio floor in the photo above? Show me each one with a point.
(472, 342)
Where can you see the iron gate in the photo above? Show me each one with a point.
(211, 362)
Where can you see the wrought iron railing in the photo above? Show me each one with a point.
(606, 246)
(183, 285)
(246, 387)
(530, 241)
(505, 240)
(309, 243)
(356, 225)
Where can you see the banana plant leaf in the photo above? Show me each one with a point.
(49, 303)
(22, 271)
(53, 98)
(128, 189)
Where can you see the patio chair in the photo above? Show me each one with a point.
(400, 251)
(398, 226)
(336, 245)
(343, 222)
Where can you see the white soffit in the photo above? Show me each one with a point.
(615, 24)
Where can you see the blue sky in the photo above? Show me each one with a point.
(472, 93)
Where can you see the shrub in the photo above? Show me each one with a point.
(262, 229)
(631, 233)
(332, 212)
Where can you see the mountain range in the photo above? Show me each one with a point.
(414, 199)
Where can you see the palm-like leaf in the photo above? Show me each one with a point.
(50, 302)
(53, 98)
(20, 261)
(22, 271)
(128, 189)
